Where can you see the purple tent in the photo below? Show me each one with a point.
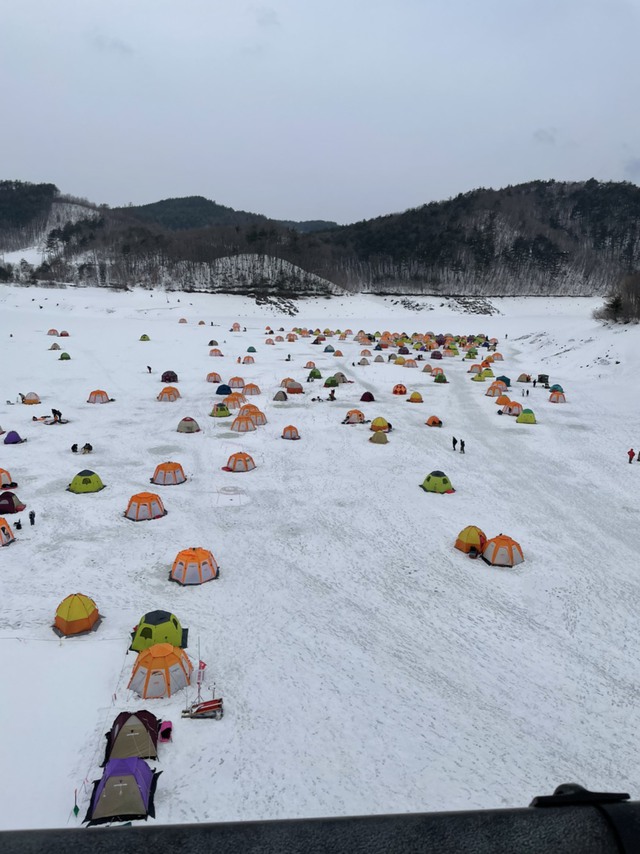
(10, 503)
(367, 397)
(125, 792)
(12, 438)
(436, 354)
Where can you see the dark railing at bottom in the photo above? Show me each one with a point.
(571, 821)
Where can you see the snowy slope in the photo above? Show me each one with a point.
(366, 665)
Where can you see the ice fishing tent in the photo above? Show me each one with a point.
(235, 400)
(160, 671)
(215, 352)
(556, 387)
(182, 320)
(220, 410)
(415, 397)
(144, 338)
(158, 627)
(314, 374)
(188, 425)
(440, 378)
(243, 424)
(236, 382)
(248, 360)
(543, 379)
(378, 358)
(526, 417)
(52, 332)
(223, 390)
(513, 408)
(213, 343)
(504, 380)
(471, 539)
(437, 481)
(64, 357)
(239, 462)
(64, 333)
(12, 438)
(433, 421)
(367, 397)
(6, 481)
(503, 400)
(133, 734)
(557, 397)
(399, 389)
(98, 396)
(169, 377)
(436, 354)
(77, 614)
(10, 503)
(31, 399)
(290, 432)
(379, 439)
(85, 481)
(363, 362)
(502, 551)
(331, 382)
(328, 349)
(258, 417)
(124, 793)
(54, 346)
(354, 416)
(251, 349)
(213, 377)
(6, 534)
(295, 388)
(379, 425)
(251, 390)
(524, 378)
(280, 395)
(144, 506)
(168, 394)
(194, 566)
(168, 474)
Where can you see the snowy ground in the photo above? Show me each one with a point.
(366, 666)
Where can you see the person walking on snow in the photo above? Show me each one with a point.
(32, 517)
(454, 442)
(462, 446)
(631, 454)
(149, 368)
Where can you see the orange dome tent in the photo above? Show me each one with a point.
(213, 377)
(290, 432)
(182, 320)
(399, 389)
(239, 462)
(6, 481)
(258, 417)
(215, 352)
(554, 397)
(194, 566)
(433, 421)
(76, 615)
(98, 396)
(502, 551)
(143, 506)
(52, 332)
(248, 360)
(243, 424)
(355, 416)
(169, 394)
(168, 474)
(6, 534)
(251, 389)
(503, 400)
(31, 398)
(236, 382)
(471, 538)
(379, 424)
(160, 671)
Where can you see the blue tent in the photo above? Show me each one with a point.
(223, 389)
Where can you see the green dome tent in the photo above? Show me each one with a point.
(526, 417)
(145, 338)
(478, 378)
(314, 374)
(251, 349)
(331, 382)
(440, 378)
(220, 410)
(379, 438)
(437, 481)
(85, 481)
(158, 627)
(64, 357)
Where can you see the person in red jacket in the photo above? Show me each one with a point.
(631, 454)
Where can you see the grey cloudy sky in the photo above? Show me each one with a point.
(306, 109)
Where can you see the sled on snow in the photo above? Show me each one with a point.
(208, 709)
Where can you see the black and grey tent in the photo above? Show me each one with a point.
(133, 734)
(169, 377)
(125, 792)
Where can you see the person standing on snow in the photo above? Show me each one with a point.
(32, 517)
(631, 454)
(462, 446)
(454, 442)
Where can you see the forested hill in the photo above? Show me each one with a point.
(543, 237)
(197, 212)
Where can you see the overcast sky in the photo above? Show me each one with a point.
(316, 109)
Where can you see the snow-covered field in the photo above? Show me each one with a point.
(366, 665)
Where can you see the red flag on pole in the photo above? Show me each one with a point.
(200, 674)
